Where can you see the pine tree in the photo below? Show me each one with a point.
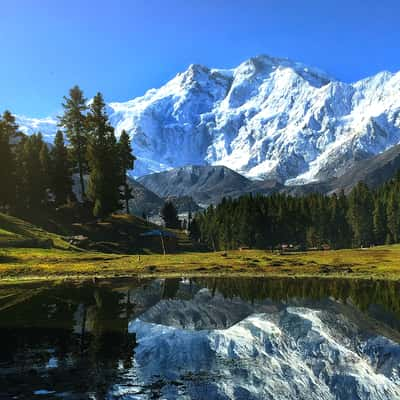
(379, 220)
(360, 215)
(74, 122)
(31, 175)
(338, 227)
(170, 215)
(393, 217)
(194, 230)
(61, 176)
(104, 164)
(360, 219)
(45, 163)
(127, 160)
(8, 135)
(345, 236)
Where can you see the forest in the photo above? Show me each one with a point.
(363, 218)
(34, 174)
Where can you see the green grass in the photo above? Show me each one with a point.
(14, 231)
(5, 233)
(26, 264)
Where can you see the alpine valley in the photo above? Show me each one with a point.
(269, 119)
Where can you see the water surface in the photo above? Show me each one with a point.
(208, 338)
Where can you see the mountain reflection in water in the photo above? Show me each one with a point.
(201, 338)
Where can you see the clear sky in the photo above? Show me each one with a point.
(124, 47)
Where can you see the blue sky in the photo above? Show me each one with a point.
(124, 47)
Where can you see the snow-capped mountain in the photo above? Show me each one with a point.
(46, 126)
(269, 117)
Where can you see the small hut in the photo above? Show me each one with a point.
(160, 240)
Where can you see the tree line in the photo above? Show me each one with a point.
(34, 174)
(364, 217)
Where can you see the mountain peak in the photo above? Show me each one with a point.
(269, 117)
(266, 64)
(198, 68)
(195, 71)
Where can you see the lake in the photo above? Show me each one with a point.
(214, 338)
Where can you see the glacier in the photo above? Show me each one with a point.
(267, 118)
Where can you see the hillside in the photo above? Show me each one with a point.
(118, 234)
(144, 201)
(15, 232)
(373, 171)
(205, 184)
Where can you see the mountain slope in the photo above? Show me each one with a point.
(15, 232)
(268, 118)
(373, 171)
(209, 184)
(144, 200)
(205, 184)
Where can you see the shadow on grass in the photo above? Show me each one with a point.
(5, 258)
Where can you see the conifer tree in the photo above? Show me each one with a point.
(345, 237)
(127, 160)
(393, 217)
(170, 215)
(8, 135)
(74, 122)
(379, 221)
(32, 177)
(103, 158)
(61, 177)
(339, 230)
(194, 230)
(360, 215)
(45, 163)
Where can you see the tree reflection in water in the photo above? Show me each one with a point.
(71, 339)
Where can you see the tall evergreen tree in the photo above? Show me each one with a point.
(61, 177)
(360, 215)
(104, 163)
(338, 227)
(379, 221)
(74, 122)
(127, 160)
(194, 231)
(45, 163)
(345, 237)
(32, 177)
(170, 215)
(8, 136)
(393, 217)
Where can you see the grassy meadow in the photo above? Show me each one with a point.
(27, 264)
(19, 261)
